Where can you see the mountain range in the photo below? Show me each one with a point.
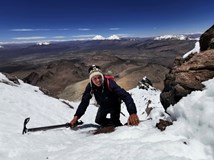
(67, 62)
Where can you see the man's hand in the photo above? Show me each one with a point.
(133, 120)
(74, 122)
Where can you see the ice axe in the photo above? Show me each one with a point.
(25, 129)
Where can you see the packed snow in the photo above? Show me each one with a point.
(191, 137)
(196, 49)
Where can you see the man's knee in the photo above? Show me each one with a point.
(98, 120)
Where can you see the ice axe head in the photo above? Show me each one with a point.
(25, 123)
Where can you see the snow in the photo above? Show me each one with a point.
(43, 43)
(112, 37)
(178, 37)
(191, 137)
(98, 37)
(196, 49)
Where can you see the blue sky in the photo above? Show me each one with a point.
(27, 20)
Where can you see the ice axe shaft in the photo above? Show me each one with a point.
(25, 129)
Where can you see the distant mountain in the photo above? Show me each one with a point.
(179, 37)
(113, 37)
(98, 37)
(43, 43)
(67, 62)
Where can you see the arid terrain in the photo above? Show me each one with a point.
(62, 67)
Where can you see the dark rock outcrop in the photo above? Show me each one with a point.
(12, 78)
(207, 39)
(32, 78)
(188, 77)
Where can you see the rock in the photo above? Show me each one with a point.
(108, 129)
(12, 78)
(187, 77)
(144, 83)
(32, 78)
(163, 124)
(206, 39)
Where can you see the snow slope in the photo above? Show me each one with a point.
(196, 49)
(189, 138)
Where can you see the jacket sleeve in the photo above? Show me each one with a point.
(125, 96)
(84, 102)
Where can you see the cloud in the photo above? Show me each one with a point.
(84, 29)
(28, 30)
(114, 29)
(21, 30)
(125, 35)
(63, 29)
(84, 36)
(42, 29)
(29, 38)
(59, 37)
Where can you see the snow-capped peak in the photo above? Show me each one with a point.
(113, 37)
(98, 37)
(43, 43)
(178, 37)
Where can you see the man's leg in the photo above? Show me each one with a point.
(101, 117)
(115, 116)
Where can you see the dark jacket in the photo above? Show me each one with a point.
(106, 97)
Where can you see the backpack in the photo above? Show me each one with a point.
(108, 77)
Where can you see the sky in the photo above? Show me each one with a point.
(191, 137)
(42, 20)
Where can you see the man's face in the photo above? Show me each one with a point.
(97, 80)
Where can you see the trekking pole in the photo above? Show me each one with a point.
(25, 129)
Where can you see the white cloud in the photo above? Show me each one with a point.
(28, 30)
(21, 30)
(84, 29)
(41, 29)
(28, 38)
(84, 36)
(63, 29)
(114, 29)
(125, 35)
(59, 37)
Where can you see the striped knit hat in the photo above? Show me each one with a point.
(93, 71)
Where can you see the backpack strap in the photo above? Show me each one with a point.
(108, 84)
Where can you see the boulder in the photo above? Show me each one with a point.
(206, 39)
(187, 77)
